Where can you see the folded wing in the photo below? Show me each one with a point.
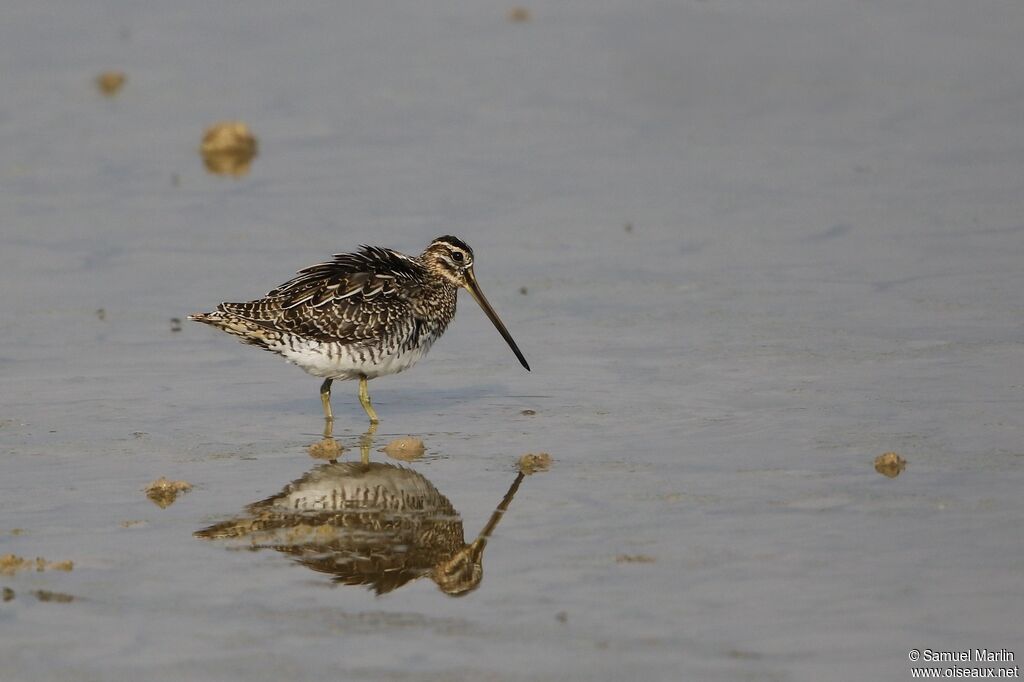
(356, 297)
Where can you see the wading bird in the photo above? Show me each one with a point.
(361, 315)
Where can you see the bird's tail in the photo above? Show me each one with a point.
(249, 331)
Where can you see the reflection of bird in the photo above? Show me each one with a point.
(367, 524)
(361, 315)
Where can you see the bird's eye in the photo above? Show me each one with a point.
(457, 256)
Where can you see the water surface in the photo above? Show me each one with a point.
(760, 246)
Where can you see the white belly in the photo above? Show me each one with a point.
(325, 360)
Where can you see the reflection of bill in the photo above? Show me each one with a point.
(373, 524)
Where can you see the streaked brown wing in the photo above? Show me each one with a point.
(353, 298)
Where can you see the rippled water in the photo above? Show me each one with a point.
(745, 248)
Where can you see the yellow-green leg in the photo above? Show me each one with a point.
(325, 398)
(364, 398)
(366, 442)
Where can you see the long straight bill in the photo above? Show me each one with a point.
(474, 290)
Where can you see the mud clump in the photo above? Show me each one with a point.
(634, 559)
(162, 492)
(59, 597)
(328, 449)
(12, 563)
(518, 15)
(890, 464)
(405, 449)
(109, 83)
(532, 463)
(228, 148)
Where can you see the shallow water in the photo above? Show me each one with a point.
(761, 245)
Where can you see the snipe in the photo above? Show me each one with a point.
(361, 315)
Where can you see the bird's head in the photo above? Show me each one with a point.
(451, 258)
(462, 573)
